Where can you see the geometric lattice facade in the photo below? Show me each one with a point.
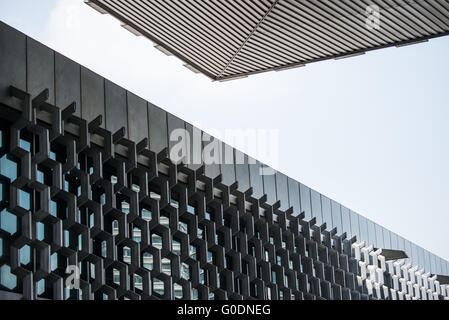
(75, 193)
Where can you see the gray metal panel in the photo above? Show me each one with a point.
(433, 266)
(67, 82)
(12, 62)
(355, 226)
(227, 164)
(282, 190)
(40, 69)
(438, 262)
(173, 124)
(315, 200)
(293, 196)
(137, 118)
(379, 236)
(415, 253)
(327, 211)
(394, 241)
(336, 216)
(256, 180)
(212, 170)
(194, 136)
(242, 170)
(387, 238)
(421, 260)
(363, 229)
(115, 100)
(427, 260)
(408, 250)
(306, 207)
(346, 220)
(269, 186)
(92, 95)
(371, 232)
(158, 128)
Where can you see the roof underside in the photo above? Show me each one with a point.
(229, 39)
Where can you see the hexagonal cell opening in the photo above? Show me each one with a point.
(156, 241)
(138, 282)
(7, 279)
(147, 261)
(158, 287)
(146, 214)
(8, 221)
(137, 234)
(166, 266)
(127, 255)
(25, 255)
(177, 290)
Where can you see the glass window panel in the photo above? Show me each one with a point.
(137, 235)
(53, 208)
(165, 221)
(191, 209)
(25, 254)
(40, 287)
(146, 214)
(182, 226)
(185, 271)
(166, 266)
(155, 196)
(8, 222)
(40, 231)
(156, 241)
(158, 286)
(54, 261)
(148, 261)
(7, 279)
(177, 289)
(25, 145)
(176, 247)
(138, 283)
(8, 168)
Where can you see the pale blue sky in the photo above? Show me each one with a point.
(370, 132)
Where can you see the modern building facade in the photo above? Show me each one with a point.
(86, 181)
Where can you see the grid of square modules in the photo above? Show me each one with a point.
(138, 226)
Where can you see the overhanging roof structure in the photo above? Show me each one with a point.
(230, 39)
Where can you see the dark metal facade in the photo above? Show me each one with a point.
(105, 197)
(230, 39)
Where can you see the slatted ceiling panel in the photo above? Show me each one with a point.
(304, 24)
(181, 40)
(332, 24)
(225, 39)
